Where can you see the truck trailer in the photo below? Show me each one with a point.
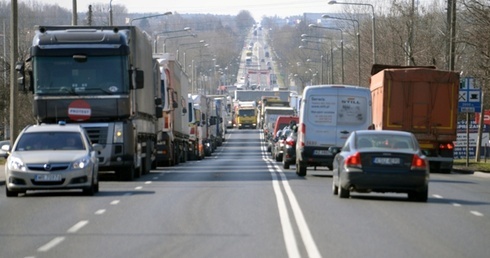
(173, 142)
(420, 100)
(103, 78)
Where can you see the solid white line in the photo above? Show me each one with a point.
(51, 244)
(77, 226)
(304, 230)
(289, 238)
(100, 212)
(115, 202)
(476, 213)
(437, 196)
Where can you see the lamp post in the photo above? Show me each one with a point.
(110, 13)
(200, 47)
(331, 80)
(356, 22)
(321, 60)
(373, 34)
(150, 16)
(341, 44)
(180, 36)
(188, 44)
(155, 40)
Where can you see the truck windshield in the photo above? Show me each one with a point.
(95, 75)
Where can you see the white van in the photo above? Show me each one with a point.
(328, 114)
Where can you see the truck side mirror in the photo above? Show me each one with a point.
(21, 75)
(159, 112)
(137, 79)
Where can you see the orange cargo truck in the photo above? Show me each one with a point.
(421, 100)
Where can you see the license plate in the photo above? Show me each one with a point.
(321, 152)
(48, 178)
(386, 161)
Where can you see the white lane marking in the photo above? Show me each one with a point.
(77, 226)
(437, 196)
(148, 182)
(100, 212)
(456, 204)
(289, 238)
(51, 244)
(138, 188)
(115, 202)
(476, 213)
(304, 230)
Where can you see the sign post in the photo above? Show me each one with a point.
(469, 102)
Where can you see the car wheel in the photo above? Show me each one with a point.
(285, 164)
(421, 196)
(335, 188)
(300, 170)
(343, 192)
(91, 190)
(9, 193)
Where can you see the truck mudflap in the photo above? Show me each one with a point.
(440, 164)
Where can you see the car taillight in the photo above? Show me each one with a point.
(353, 160)
(446, 146)
(418, 162)
(290, 142)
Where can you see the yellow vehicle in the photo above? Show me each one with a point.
(246, 117)
(248, 53)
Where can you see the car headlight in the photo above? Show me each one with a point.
(81, 163)
(16, 164)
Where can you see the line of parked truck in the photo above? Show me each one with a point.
(134, 103)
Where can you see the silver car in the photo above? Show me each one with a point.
(46, 157)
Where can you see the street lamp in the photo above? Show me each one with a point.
(150, 16)
(341, 43)
(110, 13)
(155, 41)
(305, 36)
(373, 20)
(356, 22)
(180, 36)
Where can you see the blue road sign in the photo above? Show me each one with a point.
(469, 96)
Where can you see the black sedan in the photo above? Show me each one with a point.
(381, 161)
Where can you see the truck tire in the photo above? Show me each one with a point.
(126, 173)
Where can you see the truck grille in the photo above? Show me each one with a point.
(97, 134)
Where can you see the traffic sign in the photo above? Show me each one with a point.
(469, 100)
(79, 110)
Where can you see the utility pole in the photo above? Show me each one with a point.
(451, 23)
(74, 17)
(14, 130)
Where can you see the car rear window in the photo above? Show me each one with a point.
(388, 141)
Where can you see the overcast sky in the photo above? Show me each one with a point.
(257, 8)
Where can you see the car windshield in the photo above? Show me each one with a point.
(388, 141)
(96, 75)
(50, 141)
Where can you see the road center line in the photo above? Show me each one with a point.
(288, 233)
(77, 226)
(51, 244)
(476, 213)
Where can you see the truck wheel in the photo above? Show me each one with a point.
(285, 164)
(126, 174)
